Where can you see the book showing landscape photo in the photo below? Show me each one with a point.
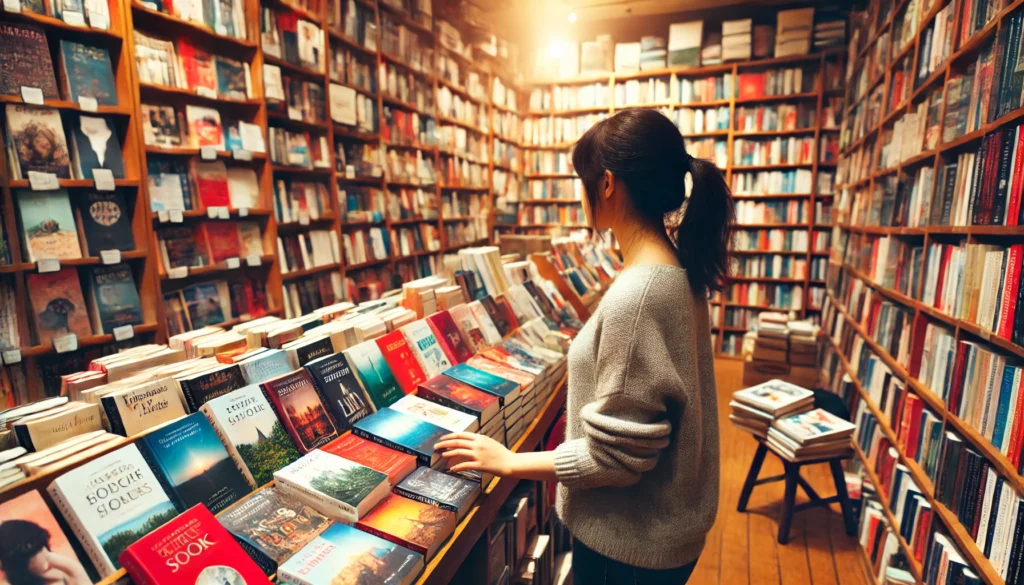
(300, 409)
(336, 487)
(344, 555)
(373, 373)
(417, 526)
(437, 488)
(402, 432)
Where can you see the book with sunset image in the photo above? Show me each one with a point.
(192, 464)
(402, 432)
(298, 405)
(416, 526)
(343, 554)
(452, 393)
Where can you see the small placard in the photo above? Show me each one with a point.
(43, 181)
(303, 218)
(208, 153)
(163, 216)
(179, 272)
(211, 212)
(12, 356)
(175, 216)
(254, 260)
(223, 213)
(73, 18)
(66, 343)
(48, 265)
(32, 95)
(350, 171)
(99, 20)
(242, 154)
(232, 263)
(123, 332)
(104, 179)
(88, 104)
(206, 92)
(110, 256)
(243, 212)
(12, 5)
(294, 114)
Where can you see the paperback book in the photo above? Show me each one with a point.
(295, 399)
(338, 488)
(395, 464)
(48, 228)
(430, 486)
(402, 432)
(776, 397)
(414, 525)
(88, 73)
(507, 391)
(113, 299)
(463, 397)
(434, 413)
(105, 221)
(58, 308)
(425, 348)
(36, 139)
(344, 554)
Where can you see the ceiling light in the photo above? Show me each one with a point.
(572, 18)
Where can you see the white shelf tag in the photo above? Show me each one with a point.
(350, 171)
(12, 356)
(123, 332)
(48, 265)
(99, 20)
(208, 153)
(303, 218)
(223, 213)
(110, 256)
(104, 179)
(66, 343)
(179, 272)
(43, 181)
(162, 216)
(74, 18)
(32, 95)
(254, 260)
(243, 212)
(211, 212)
(294, 114)
(12, 5)
(88, 104)
(175, 216)
(242, 154)
(232, 263)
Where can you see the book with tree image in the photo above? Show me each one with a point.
(29, 533)
(447, 491)
(253, 435)
(48, 228)
(336, 487)
(416, 526)
(395, 464)
(402, 432)
(295, 399)
(111, 502)
(373, 373)
(343, 554)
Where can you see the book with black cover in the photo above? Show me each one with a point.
(113, 298)
(106, 221)
(440, 489)
(339, 390)
(25, 60)
(199, 388)
(95, 145)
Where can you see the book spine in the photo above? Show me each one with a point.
(335, 509)
(114, 421)
(103, 565)
(420, 458)
(1003, 182)
(415, 547)
(186, 389)
(424, 499)
(266, 564)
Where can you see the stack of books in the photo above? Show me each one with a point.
(803, 343)
(652, 53)
(829, 33)
(737, 39)
(772, 341)
(816, 434)
(793, 32)
(755, 409)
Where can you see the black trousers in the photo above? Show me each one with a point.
(593, 568)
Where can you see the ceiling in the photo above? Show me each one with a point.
(587, 10)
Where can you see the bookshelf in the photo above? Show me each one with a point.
(879, 98)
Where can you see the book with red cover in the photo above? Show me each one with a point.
(447, 333)
(751, 85)
(395, 464)
(191, 548)
(452, 393)
(221, 240)
(211, 183)
(1013, 200)
(198, 66)
(295, 399)
(506, 307)
(1016, 432)
(401, 361)
(1011, 284)
(416, 526)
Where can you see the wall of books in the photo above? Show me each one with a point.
(923, 287)
(761, 97)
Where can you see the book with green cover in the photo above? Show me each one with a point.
(48, 228)
(373, 373)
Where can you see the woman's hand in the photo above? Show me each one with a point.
(473, 452)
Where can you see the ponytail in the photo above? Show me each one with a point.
(703, 235)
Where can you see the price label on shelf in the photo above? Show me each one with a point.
(254, 260)
(242, 154)
(223, 213)
(88, 104)
(350, 171)
(213, 212)
(66, 343)
(11, 357)
(110, 256)
(163, 216)
(48, 265)
(243, 212)
(104, 179)
(74, 18)
(43, 181)
(12, 5)
(303, 218)
(99, 20)
(232, 263)
(208, 153)
(175, 216)
(294, 114)
(206, 92)
(123, 332)
(179, 272)
(32, 95)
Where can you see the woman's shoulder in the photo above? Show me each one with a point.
(647, 288)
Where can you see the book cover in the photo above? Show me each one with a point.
(816, 426)
(88, 73)
(192, 464)
(479, 362)
(221, 240)
(402, 432)
(400, 359)
(211, 179)
(430, 486)
(252, 433)
(205, 386)
(425, 348)
(204, 127)
(35, 136)
(295, 399)
(449, 336)
(488, 329)
(343, 554)
(33, 536)
(113, 298)
(111, 502)
(106, 222)
(49, 428)
(339, 389)
(192, 548)
(305, 349)
(463, 397)
(447, 418)
(498, 316)
(775, 396)
(468, 327)
(231, 79)
(143, 406)
(338, 488)
(684, 40)
(507, 391)
(48, 228)
(417, 526)
(268, 364)
(271, 527)
(58, 307)
(25, 60)
(205, 303)
(395, 464)
(96, 146)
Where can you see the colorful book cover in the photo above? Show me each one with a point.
(299, 407)
(447, 418)
(395, 464)
(205, 305)
(774, 396)
(95, 146)
(430, 486)
(816, 426)
(339, 389)
(450, 338)
(48, 228)
(519, 361)
(113, 298)
(463, 397)
(505, 306)
(425, 348)
(31, 535)
(271, 527)
(36, 135)
(343, 554)
(25, 60)
(179, 247)
(268, 364)
(231, 79)
(373, 373)
(106, 521)
(211, 178)
(490, 332)
(400, 359)
(468, 326)
(416, 526)
(88, 73)
(498, 315)
(252, 433)
(205, 386)
(204, 127)
(106, 222)
(221, 240)
(520, 377)
(192, 464)
(402, 432)
(506, 390)
(338, 488)
(192, 548)
(58, 307)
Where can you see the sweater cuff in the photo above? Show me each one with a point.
(574, 466)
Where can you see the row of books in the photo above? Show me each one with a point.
(352, 68)
(450, 70)
(287, 36)
(310, 293)
(303, 251)
(784, 211)
(296, 98)
(36, 143)
(570, 97)
(412, 240)
(298, 149)
(193, 184)
(460, 141)
(775, 117)
(507, 125)
(165, 126)
(407, 45)
(697, 121)
(208, 243)
(301, 201)
(784, 297)
(560, 214)
(355, 159)
(362, 204)
(506, 154)
(182, 65)
(454, 105)
(771, 240)
(461, 172)
(210, 303)
(412, 204)
(796, 182)
(935, 44)
(777, 266)
(981, 188)
(552, 131)
(790, 150)
(363, 246)
(777, 82)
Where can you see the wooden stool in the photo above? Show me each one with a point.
(793, 478)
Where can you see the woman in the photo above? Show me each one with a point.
(638, 472)
(26, 558)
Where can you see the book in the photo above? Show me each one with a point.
(814, 427)
(46, 429)
(110, 503)
(395, 464)
(203, 387)
(207, 304)
(28, 525)
(295, 399)
(463, 397)
(344, 554)
(58, 308)
(252, 433)
(95, 145)
(25, 60)
(87, 72)
(684, 41)
(402, 432)
(264, 366)
(271, 527)
(113, 299)
(425, 348)
(449, 492)
(448, 335)
(776, 397)
(211, 180)
(48, 228)
(404, 366)
(337, 488)
(339, 390)
(36, 141)
(105, 221)
(507, 391)
(414, 525)
(442, 416)
(146, 405)
(192, 548)
(204, 126)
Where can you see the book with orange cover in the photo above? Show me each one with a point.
(395, 464)
(419, 527)
(401, 361)
(58, 307)
(452, 393)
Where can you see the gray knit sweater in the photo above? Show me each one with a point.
(638, 471)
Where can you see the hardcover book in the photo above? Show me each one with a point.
(300, 409)
(403, 364)
(205, 386)
(373, 373)
(402, 432)
(450, 338)
(507, 391)
(111, 502)
(192, 548)
(95, 145)
(339, 389)
(144, 406)
(447, 418)
(430, 486)
(113, 298)
(106, 222)
(253, 435)
(204, 127)
(343, 554)
(416, 526)
(192, 464)
(814, 427)
(776, 397)
(48, 228)
(463, 397)
(25, 60)
(88, 73)
(33, 534)
(268, 364)
(271, 527)
(338, 488)
(395, 464)
(425, 348)
(57, 305)
(207, 304)
(35, 137)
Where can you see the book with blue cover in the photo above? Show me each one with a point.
(113, 298)
(507, 391)
(88, 73)
(343, 554)
(402, 432)
(373, 373)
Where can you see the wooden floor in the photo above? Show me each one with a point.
(742, 548)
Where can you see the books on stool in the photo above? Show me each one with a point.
(816, 434)
(754, 409)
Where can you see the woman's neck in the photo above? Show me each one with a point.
(643, 245)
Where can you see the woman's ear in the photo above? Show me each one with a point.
(607, 185)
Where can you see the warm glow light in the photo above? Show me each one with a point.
(556, 50)
(572, 18)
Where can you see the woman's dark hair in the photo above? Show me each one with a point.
(20, 540)
(644, 149)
